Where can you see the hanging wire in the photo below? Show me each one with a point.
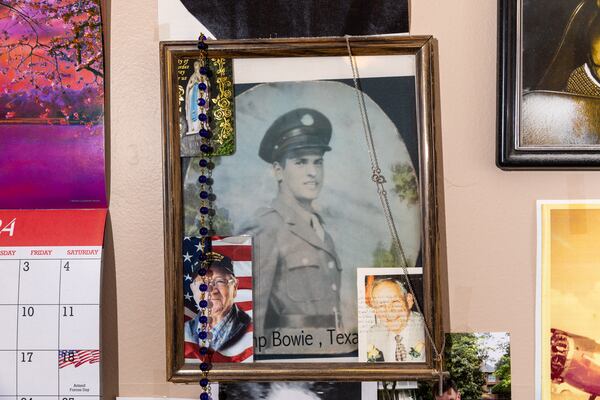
(379, 179)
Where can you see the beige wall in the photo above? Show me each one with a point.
(490, 214)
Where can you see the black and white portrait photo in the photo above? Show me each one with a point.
(299, 391)
(300, 183)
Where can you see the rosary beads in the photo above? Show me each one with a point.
(206, 195)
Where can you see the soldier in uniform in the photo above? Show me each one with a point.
(297, 270)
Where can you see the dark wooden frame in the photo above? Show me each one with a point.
(422, 47)
(508, 155)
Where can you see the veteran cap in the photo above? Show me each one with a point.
(302, 128)
(220, 261)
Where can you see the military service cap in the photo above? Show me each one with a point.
(302, 128)
(218, 260)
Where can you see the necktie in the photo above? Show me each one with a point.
(400, 349)
(316, 225)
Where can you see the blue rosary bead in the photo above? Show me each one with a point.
(205, 396)
(203, 231)
(204, 210)
(206, 148)
(204, 381)
(203, 319)
(203, 287)
(204, 366)
(204, 351)
(202, 117)
(202, 178)
(205, 133)
(202, 272)
(203, 163)
(202, 86)
(203, 304)
(201, 102)
(202, 335)
(202, 45)
(203, 71)
(204, 194)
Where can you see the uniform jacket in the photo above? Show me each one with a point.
(296, 273)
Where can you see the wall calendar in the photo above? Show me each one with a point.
(50, 263)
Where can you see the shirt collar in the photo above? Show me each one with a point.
(304, 214)
(221, 325)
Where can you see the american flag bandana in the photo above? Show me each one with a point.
(239, 249)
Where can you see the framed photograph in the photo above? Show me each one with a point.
(567, 283)
(299, 390)
(300, 186)
(231, 296)
(548, 84)
(390, 327)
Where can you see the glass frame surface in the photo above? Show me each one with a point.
(429, 189)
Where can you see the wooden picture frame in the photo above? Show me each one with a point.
(543, 120)
(429, 188)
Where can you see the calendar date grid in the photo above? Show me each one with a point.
(54, 339)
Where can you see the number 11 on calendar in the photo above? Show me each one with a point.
(50, 265)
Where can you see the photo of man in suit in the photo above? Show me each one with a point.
(398, 333)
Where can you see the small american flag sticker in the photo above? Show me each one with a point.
(77, 358)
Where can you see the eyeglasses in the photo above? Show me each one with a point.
(395, 305)
(220, 283)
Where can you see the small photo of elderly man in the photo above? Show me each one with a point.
(390, 327)
(228, 284)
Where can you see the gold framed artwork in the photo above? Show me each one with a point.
(568, 283)
(300, 206)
